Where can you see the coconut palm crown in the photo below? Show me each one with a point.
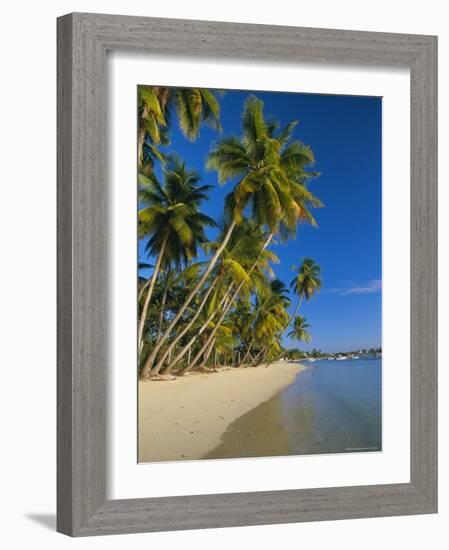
(193, 107)
(300, 330)
(170, 213)
(270, 171)
(171, 220)
(308, 279)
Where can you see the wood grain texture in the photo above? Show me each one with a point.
(83, 40)
(64, 275)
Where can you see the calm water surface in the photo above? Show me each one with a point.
(332, 407)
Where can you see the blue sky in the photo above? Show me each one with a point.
(345, 135)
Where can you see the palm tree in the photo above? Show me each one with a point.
(244, 313)
(190, 297)
(308, 279)
(270, 171)
(299, 331)
(305, 284)
(240, 317)
(279, 289)
(153, 128)
(256, 261)
(230, 271)
(206, 321)
(270, 313)
(172, 221)
(224, 343)
(184, 330)
(271, 175)
(142, 282)
(170, 279)
(223, 339)
(193, 106)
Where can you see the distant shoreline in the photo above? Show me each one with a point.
(184, 419)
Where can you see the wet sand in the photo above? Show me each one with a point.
(333, 407)
(185, 419)
(259, 432)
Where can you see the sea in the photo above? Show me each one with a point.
(331, 407)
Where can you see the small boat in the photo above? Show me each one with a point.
(355, 357)
(341, 358)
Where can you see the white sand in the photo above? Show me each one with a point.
(185, 418)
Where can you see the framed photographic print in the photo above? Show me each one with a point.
(247, 279)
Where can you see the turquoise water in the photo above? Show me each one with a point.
(332, 407)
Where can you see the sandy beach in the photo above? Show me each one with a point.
(184, 419)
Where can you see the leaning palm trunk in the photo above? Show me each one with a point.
(214, 330)
(247, 354)
(292, 316)
(226, 309)
(207, 354)
(170, 348)
(188, 347)
(150, 292)
(262, 358)
(150, 361)
(254, 362)
(280, 356)
(141, 138)
(162, 312)
(144, 287)
(140, 142)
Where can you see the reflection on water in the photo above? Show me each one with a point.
(332, 407)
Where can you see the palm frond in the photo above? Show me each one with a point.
(296, 156)
(253, 122)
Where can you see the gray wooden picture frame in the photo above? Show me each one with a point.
(83, 40)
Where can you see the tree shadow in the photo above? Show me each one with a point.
(46, 520)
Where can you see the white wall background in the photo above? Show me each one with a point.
(27, 289)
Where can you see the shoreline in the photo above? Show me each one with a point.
(190, 414)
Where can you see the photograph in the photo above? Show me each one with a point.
(259, 276)
(234, 219)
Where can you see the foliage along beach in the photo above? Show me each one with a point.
(210, 303)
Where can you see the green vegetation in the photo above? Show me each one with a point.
(227, 308)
